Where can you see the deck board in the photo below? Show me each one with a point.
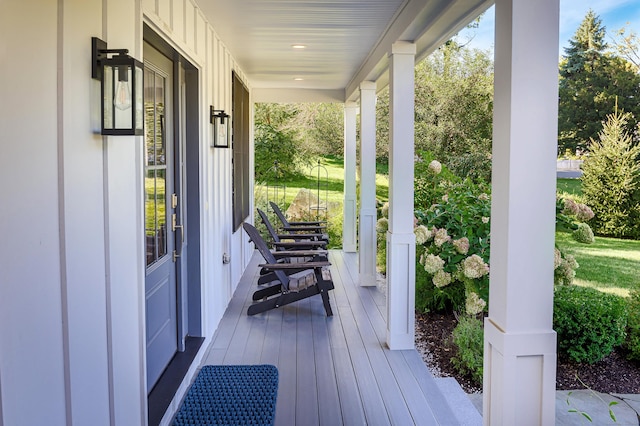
(336, 370)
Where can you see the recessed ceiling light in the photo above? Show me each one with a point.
(299, 46)
(298, 78)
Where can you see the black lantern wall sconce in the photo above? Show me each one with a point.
(221, 125)
(121, 83)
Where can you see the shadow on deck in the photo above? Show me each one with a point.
(334, 370)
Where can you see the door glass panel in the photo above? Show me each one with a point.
(159, 121)
(155, 168)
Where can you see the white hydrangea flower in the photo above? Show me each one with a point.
(474, 304)
(435, 167)
(441, 279)
(433, 263)
(474, 267)
(440, 237)
(422, 234)
(382, 225)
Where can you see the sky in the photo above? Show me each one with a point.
(613, 13)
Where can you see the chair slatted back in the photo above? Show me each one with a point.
(279, 213)
(270, 228)
(262, 247)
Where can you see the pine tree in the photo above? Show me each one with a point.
(590, 82)
(611, 180)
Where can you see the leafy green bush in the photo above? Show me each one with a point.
(564, 268)
(455, 251)
(589, 323)
(271, 146)
(334, 229)
(611, 180)
(429, 187)
(430, 298)
(583, 234)
(468, 337)
(632, 341)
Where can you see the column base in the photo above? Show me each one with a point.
(519, 376)
(401, 294)
(349, 235)
(367, 253)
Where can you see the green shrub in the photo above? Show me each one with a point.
(334, 229)
(468, 337)
(589, 323)
(583, 234)
(611, 180)
(632, 341)
(276, 154)
(430, 187)
(455, 254)
(382, 226)
(430, 298)
(564, 268)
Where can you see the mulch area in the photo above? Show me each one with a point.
(614, 374)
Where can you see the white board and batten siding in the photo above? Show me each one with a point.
(72, 321)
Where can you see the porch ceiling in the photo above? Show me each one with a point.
(347, 41)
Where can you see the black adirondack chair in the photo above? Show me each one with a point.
(311, 278)
(290, 251)
(293, 241)
(316, 227)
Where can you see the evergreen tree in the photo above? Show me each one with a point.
(590, 82)
(611, 180)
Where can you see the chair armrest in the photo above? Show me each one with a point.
(313, 223)
(299, 236)
(298, 253)
(302, 265)
(298, 244)
(304, 228)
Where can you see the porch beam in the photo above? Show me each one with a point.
(367, 230)
(349, 235)
(520, 344)
(401, 243)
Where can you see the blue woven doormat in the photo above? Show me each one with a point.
(231, 395)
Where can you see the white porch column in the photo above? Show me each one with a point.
(520, 344)
(367, 234)
(401, 242)
(349, 235)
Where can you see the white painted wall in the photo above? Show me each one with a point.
(32, 355)
(72, 260)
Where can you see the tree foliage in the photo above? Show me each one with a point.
(611, 180)
(627, 44)
(591, 80)
(453, 110)
(320, 128)
(275, 153)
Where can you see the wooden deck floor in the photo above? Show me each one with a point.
(335, 370)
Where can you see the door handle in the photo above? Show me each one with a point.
(174, 226)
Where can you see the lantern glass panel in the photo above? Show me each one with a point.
(139, 101)
(107, 98)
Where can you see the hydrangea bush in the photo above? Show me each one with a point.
(454, 249)
(571, 217)
(564, 268)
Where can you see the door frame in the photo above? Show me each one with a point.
(186, 137)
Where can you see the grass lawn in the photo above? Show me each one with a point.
(570, 186)
(609, 264)
(332, 182)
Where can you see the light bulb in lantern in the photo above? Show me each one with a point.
(122, 95)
